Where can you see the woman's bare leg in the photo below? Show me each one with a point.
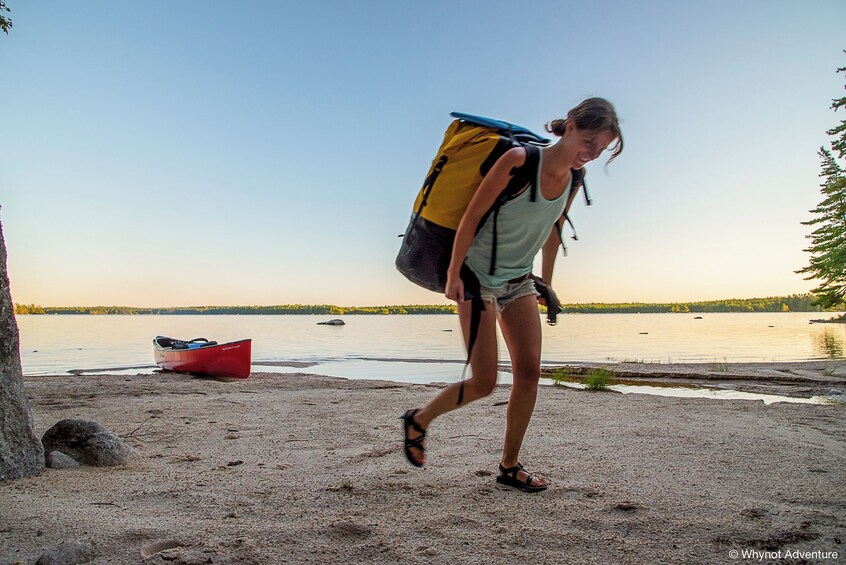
(483, 366)
(521, 330)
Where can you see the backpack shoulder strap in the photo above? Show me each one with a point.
(531, 168)
(527, 173)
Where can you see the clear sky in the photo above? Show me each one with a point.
(268, 152)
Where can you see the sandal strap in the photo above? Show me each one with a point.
(416, 442)
(409, 421)
(511, 470)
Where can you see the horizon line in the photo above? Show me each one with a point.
(432, 305)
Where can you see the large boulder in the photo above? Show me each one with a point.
(21, 454)
(88, 443)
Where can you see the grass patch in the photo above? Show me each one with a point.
(563, 375)
(597, 379)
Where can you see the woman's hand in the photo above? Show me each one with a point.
(454, 289)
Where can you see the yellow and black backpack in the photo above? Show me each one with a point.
(471, 146)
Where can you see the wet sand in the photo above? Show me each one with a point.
(306, 469)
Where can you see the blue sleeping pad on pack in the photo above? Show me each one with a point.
(504, 127)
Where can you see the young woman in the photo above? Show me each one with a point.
(523, 228)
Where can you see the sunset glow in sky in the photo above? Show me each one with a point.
(196, 153)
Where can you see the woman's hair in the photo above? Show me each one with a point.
(594, 114)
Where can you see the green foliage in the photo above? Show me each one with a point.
(5, 22)
(828, 240)
(792, 303)
(597, 379)
(288, 309)
(28, 309)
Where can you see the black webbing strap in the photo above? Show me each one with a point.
(588, 201)
(578, 181)
(553, 305)
(531, 167)
(492, 269)
(473, 291)
(430, 182)
(559, 229)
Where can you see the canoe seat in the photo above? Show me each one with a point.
(169, 342)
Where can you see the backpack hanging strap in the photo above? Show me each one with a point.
(494, 237)
(588, 201)
(553, 304)
(578, 181)
(559, 229)
(473, 291)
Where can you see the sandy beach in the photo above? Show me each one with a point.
(298, 468)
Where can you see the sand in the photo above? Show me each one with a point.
(298, 468)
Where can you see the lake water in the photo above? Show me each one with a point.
(55, 344)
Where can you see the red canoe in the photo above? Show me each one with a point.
(203, 357)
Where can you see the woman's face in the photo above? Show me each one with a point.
(589, 145)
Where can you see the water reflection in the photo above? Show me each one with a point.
(829, 343)
(61, 343)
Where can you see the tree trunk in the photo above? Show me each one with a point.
(21, 454)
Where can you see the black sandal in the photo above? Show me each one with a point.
(509, 478)
(416, 443)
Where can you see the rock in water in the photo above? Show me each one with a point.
(332, 323)
(21, 454)
(87, 442)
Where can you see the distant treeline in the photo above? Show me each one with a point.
(794, 303)
(310, 309)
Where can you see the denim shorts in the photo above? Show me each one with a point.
(504, 295)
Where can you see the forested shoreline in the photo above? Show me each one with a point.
(793, 303)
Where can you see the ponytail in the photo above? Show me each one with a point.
(556, 127)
